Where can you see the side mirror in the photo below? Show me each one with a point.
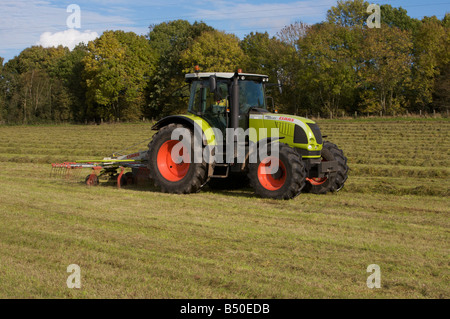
(214, 88)
(212, 83)
(280, 86)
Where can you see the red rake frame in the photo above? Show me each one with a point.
(115, 169)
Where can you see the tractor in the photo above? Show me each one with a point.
(222, 104)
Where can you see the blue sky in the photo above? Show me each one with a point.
(24, 23)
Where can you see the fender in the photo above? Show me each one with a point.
(199, 125)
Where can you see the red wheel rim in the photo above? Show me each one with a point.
(317, 181)
(168, 168)
(271, 181)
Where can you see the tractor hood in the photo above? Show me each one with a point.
(298, 132)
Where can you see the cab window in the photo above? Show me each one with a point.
(251, 94)
(203, 101)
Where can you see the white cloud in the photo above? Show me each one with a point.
(23, 22)
(68, 38)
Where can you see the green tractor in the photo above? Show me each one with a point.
(223, 108)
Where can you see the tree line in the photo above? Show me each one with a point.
(339, 65)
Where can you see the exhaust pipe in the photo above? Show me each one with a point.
(235, 102)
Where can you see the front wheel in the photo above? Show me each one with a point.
(330, 152)
(286, 182)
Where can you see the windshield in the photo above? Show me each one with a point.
(251, 94)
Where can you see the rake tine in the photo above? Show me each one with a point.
(55, 170)
(64, 170)
(68, 172)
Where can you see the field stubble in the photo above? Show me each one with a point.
(139, 243)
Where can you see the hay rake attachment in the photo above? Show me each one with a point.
(110, 168)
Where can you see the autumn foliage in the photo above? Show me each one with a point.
(333, 67)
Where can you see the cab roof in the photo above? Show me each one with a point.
(222, 75)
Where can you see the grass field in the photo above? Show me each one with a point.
(138, 243)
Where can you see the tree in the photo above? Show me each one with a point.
(2, 90)
(277, 58)
(264, 54)
(385, 70)
(446, 20)
(256, 46)
(115, 69)
(70, 69)
(169, 40)
(441, 97)
(398, 17)
(431, 57)
(292, 33)
(349, 13)
(286, 55)
(328, 64)
(34, 89)
(37, 57)
(213, 51)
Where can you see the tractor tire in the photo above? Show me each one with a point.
(170, 177)
(330, 152)
(286, 183)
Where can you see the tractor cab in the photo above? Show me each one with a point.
(219, 98)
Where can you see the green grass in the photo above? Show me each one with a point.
(139, 243)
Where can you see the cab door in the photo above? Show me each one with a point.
(203, 104)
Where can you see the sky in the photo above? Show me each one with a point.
(24, 23)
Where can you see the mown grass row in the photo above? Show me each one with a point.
(391, 148)
(394, 148)
(140, 243)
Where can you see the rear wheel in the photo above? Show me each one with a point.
(178, 175)
(330, 152)
(286, 182)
